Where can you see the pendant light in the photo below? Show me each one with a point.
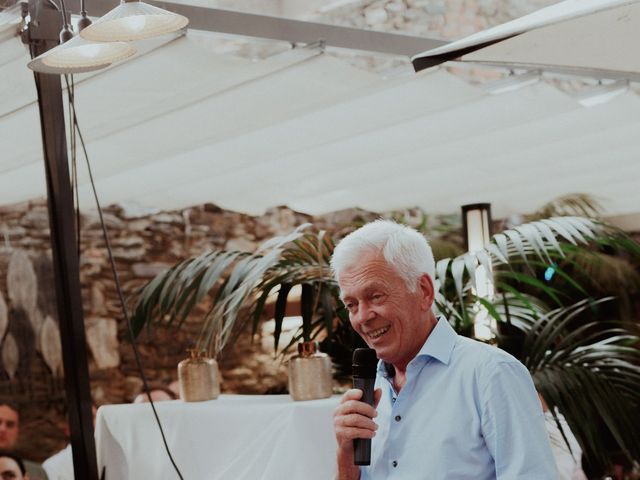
(133, 20)
(77, 55)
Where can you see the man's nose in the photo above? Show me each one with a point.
(365, 313)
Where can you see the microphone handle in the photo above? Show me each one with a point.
(362, 446)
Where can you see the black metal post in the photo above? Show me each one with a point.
(65, 257)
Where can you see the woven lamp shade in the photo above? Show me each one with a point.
(133, 21)
(79, 56)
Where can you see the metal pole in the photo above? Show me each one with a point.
(65, 260)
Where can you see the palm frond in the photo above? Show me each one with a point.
(589, 371)
(172, 295)
(581, 204)
(537, 239)
(607, 273)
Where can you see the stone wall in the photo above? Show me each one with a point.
(446, 19)
(142, 248)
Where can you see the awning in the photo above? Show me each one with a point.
(595, 38)
(188, 122)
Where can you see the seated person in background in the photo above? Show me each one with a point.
(60, 465)
(159, 393)
(175, 388)
(569, 461)
(12, 467)
(9, 424)
(9, 432)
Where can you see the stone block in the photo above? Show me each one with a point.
(37, 218)
(102, 337)
(241, 244)
(149, 270)
(130, 254)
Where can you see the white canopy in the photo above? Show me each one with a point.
(592, 37)
(183, 124)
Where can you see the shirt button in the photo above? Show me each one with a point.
(393, 399)
(398, 418)
(394, 463)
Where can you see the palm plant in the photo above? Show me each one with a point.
(569, 358)
(585, 368)
(239, 285)
(609, 268)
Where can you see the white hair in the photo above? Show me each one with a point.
(403, 248)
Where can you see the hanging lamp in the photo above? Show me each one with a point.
(79, 56)
(133, 20)
(76, 55)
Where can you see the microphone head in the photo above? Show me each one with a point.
(365, 363)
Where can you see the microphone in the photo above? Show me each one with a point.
(364, 377)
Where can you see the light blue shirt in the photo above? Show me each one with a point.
(467, 411)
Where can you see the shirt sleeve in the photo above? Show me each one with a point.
(512, 423)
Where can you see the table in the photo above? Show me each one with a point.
(235, 437)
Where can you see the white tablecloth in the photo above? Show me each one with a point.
(236, 437)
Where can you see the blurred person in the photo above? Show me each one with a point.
(9, 434)
(9, 425)
(446, 407)
(12, 467)
(59, 466)
(568, 457)
(175, 388)
(159, 393)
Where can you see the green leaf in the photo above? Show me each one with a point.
(307, 307)
(281, 307)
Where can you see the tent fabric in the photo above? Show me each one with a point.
(593, 36)
(184, 123)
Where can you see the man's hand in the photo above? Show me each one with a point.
(352, 419)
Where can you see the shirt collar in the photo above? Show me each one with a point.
(439, 345)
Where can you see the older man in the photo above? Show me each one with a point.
(447, 407)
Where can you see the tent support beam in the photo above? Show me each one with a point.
(284, 29)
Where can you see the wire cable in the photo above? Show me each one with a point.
(76, 128)
(74, 166)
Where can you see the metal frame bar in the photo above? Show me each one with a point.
(283, 29)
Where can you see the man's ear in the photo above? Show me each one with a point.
(426, 290)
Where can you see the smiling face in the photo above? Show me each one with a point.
(391, 319)
(10, 470)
